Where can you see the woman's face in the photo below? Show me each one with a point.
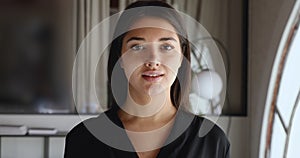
(151, 56)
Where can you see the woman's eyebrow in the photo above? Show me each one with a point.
(135, 38)
(167, 39)
(143, 39)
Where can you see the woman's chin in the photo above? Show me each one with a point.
(156, 89)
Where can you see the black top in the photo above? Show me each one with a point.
(104, 136)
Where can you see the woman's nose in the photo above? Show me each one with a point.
(152, 64)
(152, 60)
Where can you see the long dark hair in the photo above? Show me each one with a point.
(179, 90)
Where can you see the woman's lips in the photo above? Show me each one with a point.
(152, 76)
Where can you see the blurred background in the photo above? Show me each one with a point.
(39, 41)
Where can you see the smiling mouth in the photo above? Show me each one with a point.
(152, 76)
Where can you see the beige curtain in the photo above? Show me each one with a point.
(87, 41)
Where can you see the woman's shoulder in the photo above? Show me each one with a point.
(208, 129)
(85, 126)
(212, 134)
(81, 128)
(83, 141)
(208, 125)
(207, 137)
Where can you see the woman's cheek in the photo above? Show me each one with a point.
(130, 63)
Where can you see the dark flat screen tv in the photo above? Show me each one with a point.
(35, 57)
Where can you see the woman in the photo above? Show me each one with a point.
(148, 82)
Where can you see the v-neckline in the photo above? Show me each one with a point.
(120, 123)
(174, 128)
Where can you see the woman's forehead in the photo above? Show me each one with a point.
(151, 34)
(152, 22)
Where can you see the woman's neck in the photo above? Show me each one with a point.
(148, 126)
(163, 114)
(148, 134)
(146, 107)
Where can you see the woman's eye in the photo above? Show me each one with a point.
(137, 47)
(167, 47)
